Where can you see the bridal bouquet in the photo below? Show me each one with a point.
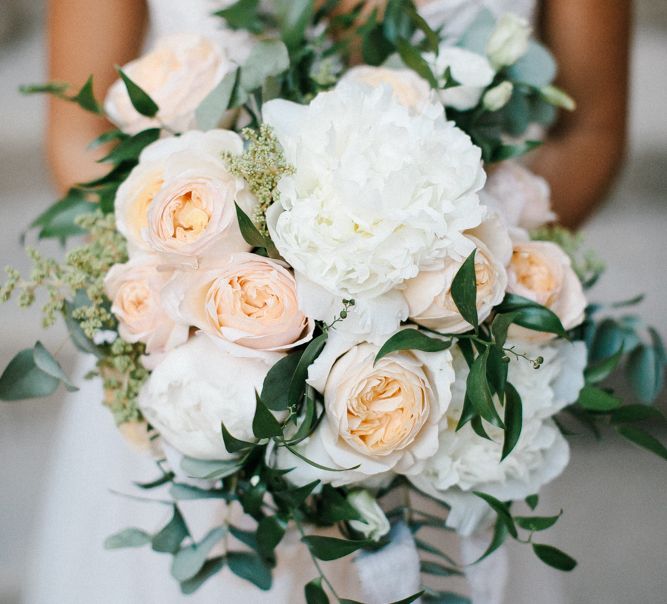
(310, 286)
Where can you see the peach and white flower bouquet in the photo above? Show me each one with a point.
(309, 285)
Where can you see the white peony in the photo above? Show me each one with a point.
(381, 418)
(379, 192)
(194, 389)
(473, 73)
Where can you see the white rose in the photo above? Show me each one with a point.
(521, 197)
(509, 40)
(382, 417)
(496, 98)
(379, 192)
(409, 89)
(557, 382)
(177, 74)
(473, 73)
(542, 272)
(135, 290)
(195, 388)
(429, 293)
(374, 524)
(179, 199)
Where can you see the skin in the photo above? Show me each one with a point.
(589, 39)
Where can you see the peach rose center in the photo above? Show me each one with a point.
(385, 413)
(534, 273)
(134, 299)
(189, 216)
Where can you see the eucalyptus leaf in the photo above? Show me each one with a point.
(249, 566)
(505, 152)
(76, 333)
(212, 109)
(314, 593)
(188, 561)
(58, 221)
(592, 398)
(130, 537)
(645, 373)
(211, 567)
(140, 100)
(537, 67)
(428, 567)
(412, 339)
(601, 370)
(48, 364)
(23, 379)
(331, 548)
(169, 538)
(554, 557)
(267, 58)
(209, 470)
(464, 290)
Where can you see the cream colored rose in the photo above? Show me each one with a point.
(134, 289)
(178, 74)
(409, 89)
(192, 164)
(244, 299)
(429, 294)
(541, 271)
(521, 197)
(382, 417)
(509, 40)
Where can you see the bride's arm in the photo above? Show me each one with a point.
(584, 152)
(85, 38)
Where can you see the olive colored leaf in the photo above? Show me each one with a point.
(23, 379)
(536, 523)
(314, 592)
(554, 557)
(130, 537)
(331, 548)
(188, 561)
(264, 423)
(635, 413)
(412, 339)
(48, 364)
(233, 444)
(477, 389)
(297, 384)
(592, 398)
(277, 380)
(211, 567)
(643, 439)
(501, 509)
(85, 98)
(414, 60)
(169, 538)
(249, 566)
(309, 420)
(513, 419)
(464, 290)
(468, 413)
(601, 370)
(140, 100)
(129, 149)
(212, 109)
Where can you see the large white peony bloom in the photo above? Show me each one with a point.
(380, 192)
(195, 388)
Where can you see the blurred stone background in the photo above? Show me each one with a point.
(614, 496)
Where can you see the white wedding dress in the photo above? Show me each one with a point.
(90, 458)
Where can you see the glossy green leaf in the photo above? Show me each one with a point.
(297, 384)
(310, 462)
(264, 423)
(296, 497)
(242, 15)
(500, 326)
(414, 60)
(270, 531)
(169, 538)
(592, 398)
(233, 444)
(250, 233)
(477, 389)
(536, 523)
(444, 597)
(140, 100)
(532, 501)
(497, 369)
(635, 413)
(211, 567)
(410, 599)
(48, 364)
(277, 380)
(334, 507)
(309, 421)
(108, 137)
(554, 557)
(130, 537)
(513, 419)
(601, 370)
(643, 439)
(501, 509)
(428, 567)
(500, 534)
(188, 561)
(249, 566)
(22, 379)
(213, 108)
(464, 290)
(129, 149)
(85, 98)
(532, 315)
(412, 339)
(314, 592)
(331, 548)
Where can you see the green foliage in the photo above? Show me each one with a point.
(243, 14)
(212, 109)
(331, 548)
(189, 560)
(169, 538)
(130, 537)
(23, 379)
(554, 557)
(60, 220)
(140, 100)
(251, 567)
(412, 339)
(314, 593)
(128, 149)
(464, 290)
